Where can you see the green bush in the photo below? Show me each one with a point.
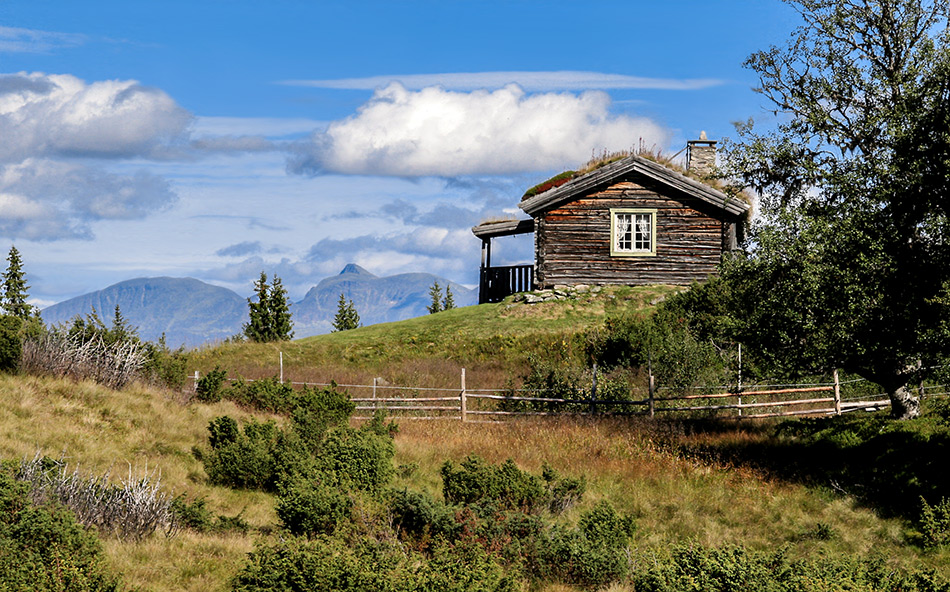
(935, 522)
(474, 480)
(44, 548)
(166, 367)
(208, 389)
(311, 508)
(360, 459)
(421, 516)
(593, 554)
(11, 346)
(266, 394)
(245, 460)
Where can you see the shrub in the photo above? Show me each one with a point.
(318, 409)
(421, 516)
(357, 459)
(11, 345)
(311, 508)
(474, 480)
(166, 367)
(935, 522)
(42, 548)
(208, 389)
(266, 394)
(243, 460)
(593, 554)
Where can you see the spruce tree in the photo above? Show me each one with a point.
(346, 316)
(435, 295)
(448, 302)
(269, 312)
(15, 287)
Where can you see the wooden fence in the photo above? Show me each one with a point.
(489, 405)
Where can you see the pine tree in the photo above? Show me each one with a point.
(269, 312)
(435, 294)
(15, 288)
(448, 302)
(346, 316)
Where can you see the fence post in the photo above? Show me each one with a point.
(462, 401)
(196, 381)
(281, 367)
(593, 391)
(650, 385)
(739, 385)
(837, 392)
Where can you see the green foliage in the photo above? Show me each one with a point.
(44, 549)
(448, 302)
(247, 459)
(346, 316)
(14, 288)
(695, 567)
(311, 507)
(435, 298)
(421, 516)
(849, 266)
(196, 516)
(208, 389)
(266, 394)
(166, 367)
(269, 312)
(935, 522)
(555, 181)
(327, 563)
(11, 345)
(356, 459)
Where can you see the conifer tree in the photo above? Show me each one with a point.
(269, 312)
(346, 316)
(15, 288)
(448, 302)
(435, 294)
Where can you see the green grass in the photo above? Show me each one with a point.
(491, 341)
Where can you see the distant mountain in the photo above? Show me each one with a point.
(377, 299)
(191, 312)
(186, 310)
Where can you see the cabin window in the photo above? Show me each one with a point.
(632, 232)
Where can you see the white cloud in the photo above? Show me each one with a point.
(439, 132)
(17, 40)
(48, 200)
(530, 81)
(61, 115)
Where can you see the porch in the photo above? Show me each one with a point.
(496, 283)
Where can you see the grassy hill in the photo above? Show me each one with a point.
(684, 482)
(491, 341)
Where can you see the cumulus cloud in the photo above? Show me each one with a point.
(48, 115)
(530, 81)
(445, 133)
(47, 200)
(241, 249)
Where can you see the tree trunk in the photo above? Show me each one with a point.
(905, 404)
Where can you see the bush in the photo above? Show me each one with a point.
(11, 346)
(311, 508)
(474, 480)
(166, 367)
(208, 389)
(421, 516)
(593, 554)
(356, 459)
(42, 548)
(266, 394)
(935, 522)
(245, 460)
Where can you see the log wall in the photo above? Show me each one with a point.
(572, 241)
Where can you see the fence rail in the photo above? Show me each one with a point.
(492, 405)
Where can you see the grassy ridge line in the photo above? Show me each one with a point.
(491, 341)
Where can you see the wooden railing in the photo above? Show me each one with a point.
(496, 283)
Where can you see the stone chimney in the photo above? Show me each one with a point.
(701, 156)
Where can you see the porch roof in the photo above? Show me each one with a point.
(489, 230)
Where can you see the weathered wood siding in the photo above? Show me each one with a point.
(572, 241)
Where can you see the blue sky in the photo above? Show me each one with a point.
(215, 139)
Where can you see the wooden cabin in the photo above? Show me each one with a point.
(633, 222)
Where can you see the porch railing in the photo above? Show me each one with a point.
(496, 283)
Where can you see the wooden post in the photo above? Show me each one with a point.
(375, 379)
(593, 391)
(281, 367)
(196, 381)
(651, 386)
(462, 401)
(837, 392)
(739, 382)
